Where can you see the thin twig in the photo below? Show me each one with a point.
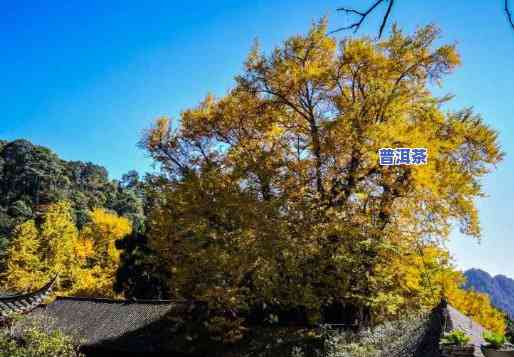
(356, 25)
(364, 14)
(509, 14)
(386, 17)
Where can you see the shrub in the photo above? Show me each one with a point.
(495, 340)
(456, 337)
(32, 340)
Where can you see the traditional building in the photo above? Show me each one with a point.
(106, 327)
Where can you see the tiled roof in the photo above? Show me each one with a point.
(133, 325)
(143, 326)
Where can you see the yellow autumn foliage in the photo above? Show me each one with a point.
(274, 194)
(422, 276)
(98, 238)
(24, 258)
(84, 262)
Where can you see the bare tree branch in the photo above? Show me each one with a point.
(364, 14)
(508, 12)
(386, 17)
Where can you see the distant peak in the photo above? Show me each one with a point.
(503, 277)
(476, 271)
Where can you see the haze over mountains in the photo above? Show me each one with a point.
(500, 288)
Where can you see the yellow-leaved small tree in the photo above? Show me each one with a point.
(24, 263)
(36, 255)
(85, 262)
(98, 241)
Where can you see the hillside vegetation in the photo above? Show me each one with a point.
(34, 182)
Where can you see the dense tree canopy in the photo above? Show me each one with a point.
(273, 194)
(33, 179)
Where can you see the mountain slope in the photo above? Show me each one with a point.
(500, 288)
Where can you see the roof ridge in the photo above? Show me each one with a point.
(119, 301)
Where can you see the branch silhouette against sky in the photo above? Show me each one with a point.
(363, 15)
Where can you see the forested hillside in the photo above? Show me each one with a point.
(33, 178)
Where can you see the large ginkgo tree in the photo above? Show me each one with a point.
(274, 195)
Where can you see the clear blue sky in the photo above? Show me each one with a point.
(85, 78)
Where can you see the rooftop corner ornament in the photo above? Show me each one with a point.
(402, 156)
(22, 303)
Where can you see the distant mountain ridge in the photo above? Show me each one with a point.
(500, 288)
